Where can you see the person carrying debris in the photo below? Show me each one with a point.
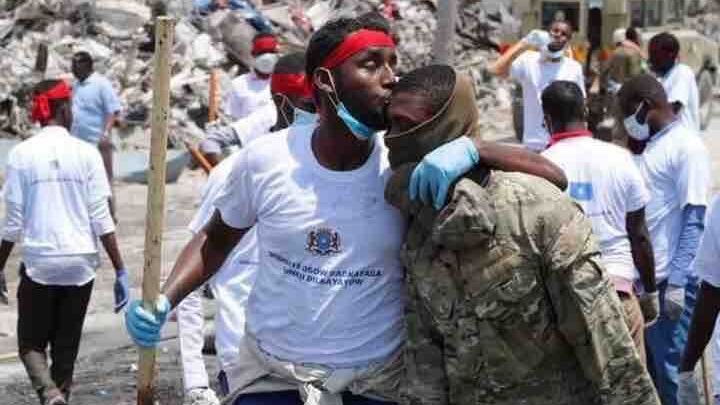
(508, 301)
(232, 284)
(95, 108)
(536, 70)
(677, 78)
(57, 204)
(325, 315)
(606, 183)
(707, 266)
(626, 61)
(676, 168)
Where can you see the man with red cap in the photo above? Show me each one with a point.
(251, 91)
(325, 315)
(292, 102)
(57, 205)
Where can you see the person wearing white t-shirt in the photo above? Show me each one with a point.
(707, 266)
(604, 181)
(231, 286)
(57, 205)
(325, 315)
(677, 79)
(676, 168)
(534, 71)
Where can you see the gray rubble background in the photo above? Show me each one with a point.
(112, 31)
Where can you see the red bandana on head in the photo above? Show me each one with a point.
(264, 44)
(356, 42)
(41, 102)
(290, 84)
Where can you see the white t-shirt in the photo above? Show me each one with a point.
(604, 181)
(329, 287)
(676, 170)
(707, 260)
(56, 194)
(248, 93)
(231, 285)
(680, 85)
(535, 74)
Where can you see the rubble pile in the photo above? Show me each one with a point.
(706, 19)
(39, 37)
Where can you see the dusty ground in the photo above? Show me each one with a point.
(104, 373)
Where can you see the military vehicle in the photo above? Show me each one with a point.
(595, 22)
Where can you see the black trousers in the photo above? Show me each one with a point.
(50, 316)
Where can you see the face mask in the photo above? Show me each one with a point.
(359, 129)
(554, 55)
(303, 117)
(634, 128)
(265, 63)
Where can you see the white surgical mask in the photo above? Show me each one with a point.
(553, 54)
(265, 63)
(634, 128)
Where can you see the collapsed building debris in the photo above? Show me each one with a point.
(38, 38)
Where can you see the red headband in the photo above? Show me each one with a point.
(290, 84)
(356, 42)
(41, 102)
(264, 45)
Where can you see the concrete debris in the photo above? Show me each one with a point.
(118, 34)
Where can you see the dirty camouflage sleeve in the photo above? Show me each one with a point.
(425, 382)
(588, 310)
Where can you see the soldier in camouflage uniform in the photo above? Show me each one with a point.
(508, 302)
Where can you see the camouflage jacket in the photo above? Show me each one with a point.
(508, 303)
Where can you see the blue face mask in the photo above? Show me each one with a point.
(302, 117)
(358, 128)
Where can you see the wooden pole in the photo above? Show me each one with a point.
(154, 221)
(213, 96)
(199, 158)
(706, 381)
(444, 41)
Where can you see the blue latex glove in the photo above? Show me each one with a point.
(432, 178)
(121, 289)
(143, 326)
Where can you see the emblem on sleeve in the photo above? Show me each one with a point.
(323, 242)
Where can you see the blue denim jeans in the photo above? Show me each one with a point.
(665, 342)
(293, 398)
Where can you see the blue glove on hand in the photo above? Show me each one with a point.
(143, 326)
(121, 289)
(432, 178)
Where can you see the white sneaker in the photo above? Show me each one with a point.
(201, 396)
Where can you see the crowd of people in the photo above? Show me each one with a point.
(366, 246)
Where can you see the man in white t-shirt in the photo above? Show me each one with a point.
(707, 266)
(57, 205)
(604, 181)
(677, 79)
(325, 315)
(676, 168)
(231, 286)
(536, 70)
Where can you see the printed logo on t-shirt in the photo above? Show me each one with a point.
(323, 242)
(581, 191)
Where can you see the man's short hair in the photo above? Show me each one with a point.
(290, 64)
(334, 32)
(564, 102)
(435, 82)
(566, 22)
(83, 56)
(632, 34)
(665, 41)
(642, 87)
